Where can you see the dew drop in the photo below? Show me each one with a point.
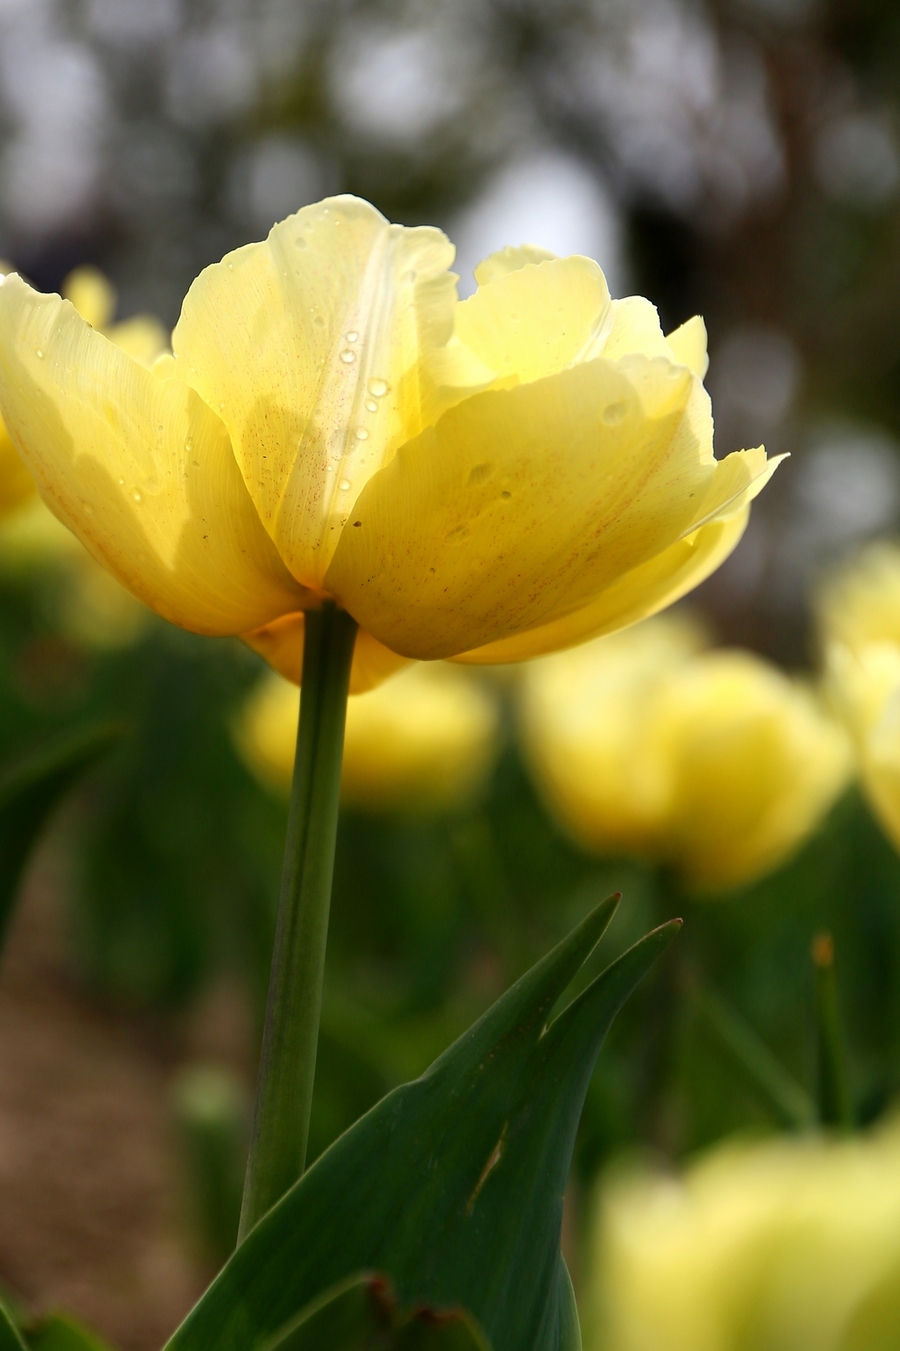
(121, 483)
(136, 495)
(361, 434)
(506, 495)
(347, 356)
(39, 354)
(87, 508)
(353, 336)
(613, 413)
(371, 406)
(300, 242)
(344, 484)
(378, 388)
(222, 407)
(479, 473)
(231, 267)
(319, 321)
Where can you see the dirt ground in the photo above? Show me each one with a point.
(90, 1218)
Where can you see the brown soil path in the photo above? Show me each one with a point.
(89, 1216)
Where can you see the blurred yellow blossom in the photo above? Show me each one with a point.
(423, 741)
(859, 615)
(712, 762)
(784, 1245)
(860, 603)
(484, 480)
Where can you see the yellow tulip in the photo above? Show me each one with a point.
(859, 617)
(860, 603)
(95, 609)
(712, 762)
(422, 742)
(484, 480)
(782, 1245)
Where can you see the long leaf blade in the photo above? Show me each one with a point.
(452, 1185)
(29, 791)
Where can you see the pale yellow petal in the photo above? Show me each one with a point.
(92, 294)
(524, 505)
(139, 468)
(688, 344)
(281, 644)
(633, 327)
(639, 594)
(537, 319)
(311, 347)
(509, 259)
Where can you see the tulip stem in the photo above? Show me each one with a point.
(291, 1034)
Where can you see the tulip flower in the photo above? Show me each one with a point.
(859, 616)
(484, 480)
(711, 762)
(339, 455)
(421, 743)
(860, 603)
(788, 1244)
(96, 610)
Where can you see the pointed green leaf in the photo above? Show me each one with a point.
(30, 789)
(452, 1185)
(361, 1314)
(60, 1332)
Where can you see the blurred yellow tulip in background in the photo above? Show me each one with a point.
(789, 1244)
(712, 762)
(422, 742)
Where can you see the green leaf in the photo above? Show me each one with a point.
(60, 1332)
(30, 789)
(10, 1337)
(361, 1314)
(452, 1185)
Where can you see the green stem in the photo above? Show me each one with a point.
(835, 1108)
(288, 1059)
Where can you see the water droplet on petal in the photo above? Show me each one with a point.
(222, 407)
(344, 484)
(347, 356)
(121, 483)
(353, 336)
(136, 495)
(378, 388)
(614, 412)
(371, 406)
(39, 354)
(300, 242)
(361, 434)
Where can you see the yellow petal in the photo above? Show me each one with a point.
(639, 594)
(310, 347)
(281, 644)
(499, 264)
(633, 327)
(688, 344)
(536, 319)
(92, 294)
(138, 467)
(521, 506)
